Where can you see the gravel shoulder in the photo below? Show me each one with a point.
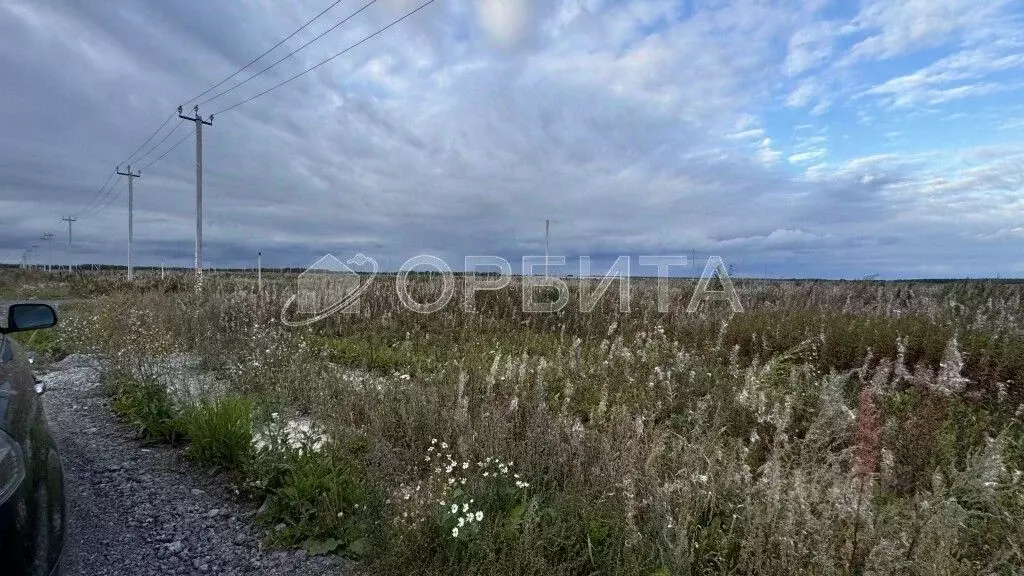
(142, 510)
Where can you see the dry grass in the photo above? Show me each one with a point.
(833, 428)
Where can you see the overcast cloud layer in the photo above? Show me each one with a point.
(792, 138)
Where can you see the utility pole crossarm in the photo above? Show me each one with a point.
(197, 117)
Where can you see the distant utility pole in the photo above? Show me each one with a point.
(199, 183)
(259, 272)
(69, 220)
(49, 250)
(131, 201)
(161, 269)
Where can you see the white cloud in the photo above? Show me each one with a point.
(752, 134)
(637, 129)
(809, 156)
(505, 21)
(766, 153)
(806, 91)
(896, 28)
(948, 79)
(809, 48)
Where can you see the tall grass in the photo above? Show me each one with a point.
(835, 427)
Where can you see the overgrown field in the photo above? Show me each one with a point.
(831, 428)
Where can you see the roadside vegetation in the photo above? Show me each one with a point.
(832, 428)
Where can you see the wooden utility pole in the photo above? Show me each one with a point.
(69, 220)
(199, 183)
(131, 200)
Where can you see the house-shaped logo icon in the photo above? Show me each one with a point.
(328, 284)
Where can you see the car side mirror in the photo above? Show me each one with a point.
(22, 317)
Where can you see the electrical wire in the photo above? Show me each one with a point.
(110, 196)
(96, 197)
(256, 59)
(162, 140)
(200, 95)
(106, 200)
(168, 151)
(98, 192)
(148, 140)
(120, 190)
(119, 186)
(325, 61)
(289, 55)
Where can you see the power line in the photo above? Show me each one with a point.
(289, 55)
(256, 59)
(151, 136)
(97, 197)
(111, 196)
(99, 202)
(325, 61)
(98, 192)
(162, 140)
(168, 151)
(131, 157)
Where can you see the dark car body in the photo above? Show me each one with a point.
(32, 516)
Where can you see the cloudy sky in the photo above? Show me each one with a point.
(792, 138)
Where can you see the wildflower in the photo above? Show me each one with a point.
(455, 532)
(479, 515)
(455, 508)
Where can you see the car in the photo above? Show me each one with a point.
(32, 509)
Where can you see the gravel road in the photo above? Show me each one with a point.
(137, 510)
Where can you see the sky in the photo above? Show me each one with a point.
(814, 138)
